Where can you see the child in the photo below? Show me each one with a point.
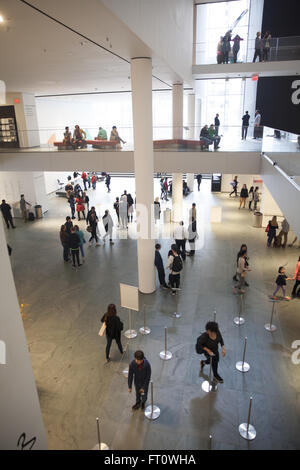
(281, 283)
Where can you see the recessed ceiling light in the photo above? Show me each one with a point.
(1, 19)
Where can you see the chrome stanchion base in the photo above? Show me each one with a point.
(125, 372)
(145, 330)
(152, 414)
(176, 315)
(166, 355)
(242, 367)
(207, 387)
(270, 327)
(250, 435)
(103, 446)
(130, 334)
(239, 320)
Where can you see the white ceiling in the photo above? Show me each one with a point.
(39, 56)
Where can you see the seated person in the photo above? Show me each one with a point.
(102, 135)
(114, 136)
(79, 137)
(213, 136)
(204, 135)
(67, 137)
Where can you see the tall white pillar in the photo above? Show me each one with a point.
(177, 107)
(191, 134)
(26, 117)
(19, 404)
(141, 80)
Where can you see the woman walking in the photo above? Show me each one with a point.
(94, 181)
(271, 230)
(251, 197)
(80, 235)
(234, 185)
(297, 279)
(93, 228)
(241, 272)
(208, 344)
(114, 326)
(243, 196)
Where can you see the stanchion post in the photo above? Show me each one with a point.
(210, 442)
(246, 430)
(100, 445)
(152, 412)
(145, 330)
(215, 315)
(130, 334)
(98, 431)
(207, 385)
(165, 355)
(270, 326)
(243, 366)
(240, 320)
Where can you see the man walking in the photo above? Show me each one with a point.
(180, 237)
(199, 179)
(23, 207)
(207, 344)
(107, 182)
(140, 371)
(6, 212)
(245, 125)
(160, 267)
(108, 226)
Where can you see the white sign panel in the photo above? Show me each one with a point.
(129, 297)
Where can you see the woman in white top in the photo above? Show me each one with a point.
(241, 272)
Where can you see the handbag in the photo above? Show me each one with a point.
(102, 329)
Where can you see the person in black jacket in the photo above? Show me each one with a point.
(245, 125)
(74, 243)
(6, 212)
(208, 342)
(140, 370)
(217, 124)
(243, 196)
(114, 326)
(160, 267)
(199, 179)
(68, 225)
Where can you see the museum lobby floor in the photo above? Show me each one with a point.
(62, 312)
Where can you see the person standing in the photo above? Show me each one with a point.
(130, 203)
(113, 329)
(296, 277)
(243, 196)
(140, 372)
(65, 241)
(6, 212)
(71, 201)
(80, 235)
(236, 47)
(157, 210)
(217, 124)
(234, 185)
(84, 179)
(226, 47)
(257, 131)
(166, 188)
(243, 250)
(107, 182)
(94, 181)
(193, 212)
(192, 231)
(285, 228)
(266, 46)
(68, 225)
(242, 268)
(245, 125)
(116, 207)
(251, 197)
(108, 226)
(123, 208)
(199, 179)
(74, 244)
(86, 201)
(180, 238)
(258, 48)
(271, 230)
(220, 51)
(93, 224)
(175, 266)
(281, 283)
(208, 344)
(160, 267)
(80, 207)
(256, 197)
(23, 207)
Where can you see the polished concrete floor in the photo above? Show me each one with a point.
(62, 312)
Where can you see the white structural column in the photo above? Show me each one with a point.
(191, 134)
(141, 79)
(19, 405)
(177, 107)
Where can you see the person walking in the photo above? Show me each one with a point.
(123, 208)
(113, 329)
(23, 207)
(80, 207)
(175, 266)
(281, 283)
(199, 179)
(94, 181)
(108, 226)
(241, 272)
(285, 228)
(251, 197)
(140, 373)
(258, 47)
(157, 210)
(208, 344)
(162, 189)
(84, 179)
(266, 43)
(243, 196)
(180, 237)
(192, 231)
(130, 203)
(86, 201)
(65, 241)
(236, 47)
(90, 212)
(82, 241)
(117, 209)
(6, 212)
(166, 188)
(256, 197)
(71, 201)
(245, 125)
(74, 244)
(160, 267)
(68, 225)
(92, 228)
(241, 251)
(271, 230)
(217, 124)
(257, 130)
(107, 182)
(296, 277)
(234, 185)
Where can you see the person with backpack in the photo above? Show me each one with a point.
(180, 236)
(113, 329)
(175, 265)
(208, 344)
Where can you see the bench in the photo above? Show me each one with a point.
(102, 144)
(178, 144)
(62, 146)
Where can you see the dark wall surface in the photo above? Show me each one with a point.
(281, 17)
(278, 99)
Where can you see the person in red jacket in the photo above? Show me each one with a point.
(84, 179)
(80, 207)
(297, 278)
(94, 181)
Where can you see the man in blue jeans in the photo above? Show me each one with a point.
(140, 370)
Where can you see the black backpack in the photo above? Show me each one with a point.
(199, 348)
(177, 264)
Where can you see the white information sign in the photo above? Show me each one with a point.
(129, 297)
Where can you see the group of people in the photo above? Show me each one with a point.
(124, 208)
(262, 47)
(78, 139)
(252, 195)
(209, 135)
(281, 282)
